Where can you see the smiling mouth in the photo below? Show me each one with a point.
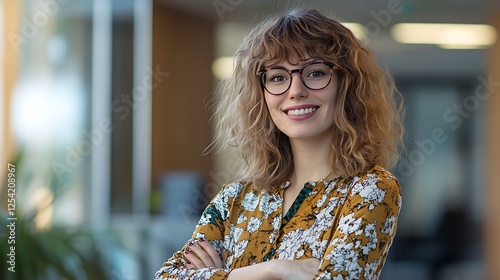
(300, 112)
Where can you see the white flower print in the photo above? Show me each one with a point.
(233, 190)
(348, 224)
(324, 217)
(205, 220)
(276, 226)
(326, 195)
(229, 261)
(374, 195)
(237, 233)
(371, 245)
(318, 248)
(369, 190)
(253, 224)
(269, 204)
(321, 201)
(233, 237)
(221, 200)
(371, 233)
(272, 236)
(371, 180)
(218, 245)
(250, 202)
(371, 230)
(339, 231)
(343, 246)
(220, 203)
(276, 223)
(343, 190)
(289, 247)
(389, 226)
(239, 248)
(241, 219)
(204, 273)
(371, 270)
(345, 260)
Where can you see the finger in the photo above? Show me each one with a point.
(210, 250)
(223, 255)
(189, 265)
(196, 263)
(203, 256)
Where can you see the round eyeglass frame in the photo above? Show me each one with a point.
(261, 75)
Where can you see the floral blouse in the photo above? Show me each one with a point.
(347, 223)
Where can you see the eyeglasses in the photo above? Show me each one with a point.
(277, 79)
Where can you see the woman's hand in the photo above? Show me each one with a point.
(202, 255)
(297, 270)
(277, 270)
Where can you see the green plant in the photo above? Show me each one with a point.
(53, 253)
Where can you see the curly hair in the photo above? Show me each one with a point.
(367, 126)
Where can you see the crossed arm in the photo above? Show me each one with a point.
(202, 255)
(356, 248)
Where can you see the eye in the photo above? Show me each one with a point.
(277, 78)
(315, 74)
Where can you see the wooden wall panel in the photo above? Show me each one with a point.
(183, 46)
(492, 167)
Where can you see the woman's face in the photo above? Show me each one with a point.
(300, 112)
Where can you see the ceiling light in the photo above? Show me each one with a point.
(356, 28)
(464, 36)
(222, 67)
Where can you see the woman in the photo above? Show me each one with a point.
(314, 120)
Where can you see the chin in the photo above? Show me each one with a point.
(302, 135)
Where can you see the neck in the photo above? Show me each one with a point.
(310, 160)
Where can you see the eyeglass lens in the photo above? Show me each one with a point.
(314, 76)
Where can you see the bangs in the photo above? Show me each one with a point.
(298, 38)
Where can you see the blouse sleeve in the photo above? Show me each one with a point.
(365, 231)
(211, 228)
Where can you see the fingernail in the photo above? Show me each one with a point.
(201, 239)
(186, 252)
(188, 262)
(190, 243)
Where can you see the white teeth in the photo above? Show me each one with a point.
(300, 112)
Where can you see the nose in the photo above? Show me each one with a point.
(297, 88)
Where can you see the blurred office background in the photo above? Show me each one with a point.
(105, 112)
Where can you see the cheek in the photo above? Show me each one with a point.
(268, 101)
(272, 104)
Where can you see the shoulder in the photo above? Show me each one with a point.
(377, 185)
(235, 189)
(376, 176)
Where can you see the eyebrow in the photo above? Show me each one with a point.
(301, 64)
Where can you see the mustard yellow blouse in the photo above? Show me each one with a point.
(347, 223)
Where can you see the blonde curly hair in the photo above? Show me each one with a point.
(368, 113)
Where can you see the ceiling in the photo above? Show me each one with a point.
(401, 59)
(463, 11)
